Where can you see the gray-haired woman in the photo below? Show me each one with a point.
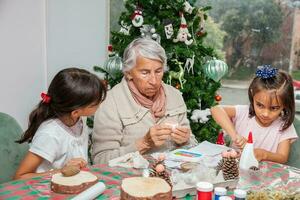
(141, 113)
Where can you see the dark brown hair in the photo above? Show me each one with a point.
(282, 83)
(70, 89)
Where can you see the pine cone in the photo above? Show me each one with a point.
(219, 167)
(164, 174)
(230, 168)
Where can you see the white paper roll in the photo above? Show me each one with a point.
(91, 193)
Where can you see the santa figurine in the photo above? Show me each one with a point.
(183, 33)
(137, 18)
(220, 139)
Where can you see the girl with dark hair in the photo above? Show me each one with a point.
(57, 131)
(269, 117)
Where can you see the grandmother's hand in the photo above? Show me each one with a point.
(181, 134)
(158, 134)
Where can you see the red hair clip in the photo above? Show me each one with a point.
(45, 97)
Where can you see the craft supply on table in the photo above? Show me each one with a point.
(239, 194)
(130, 160)
(248, 159)
(186, 166)
(225, 198)
(92, 192)
(158, 169)
(184, 155)
(70, 170)
(72, 184)
(219, 191)
(229, 165)
(209, 149)
(150, 188)
(204, 191)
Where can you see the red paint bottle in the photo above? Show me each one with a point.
(204, 191)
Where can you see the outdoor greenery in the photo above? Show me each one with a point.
(296, 75)
(251, 26)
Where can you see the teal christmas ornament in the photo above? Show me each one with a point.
(113, 65)
(215, 69)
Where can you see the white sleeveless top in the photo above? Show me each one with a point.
(57, 143)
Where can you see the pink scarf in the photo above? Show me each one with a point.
(157, 106)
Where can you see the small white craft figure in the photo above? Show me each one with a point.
(169, 31)
(183, 33)
(189, 64)
(137, 18)
(188, 8)
(125, 28)
(200, 115)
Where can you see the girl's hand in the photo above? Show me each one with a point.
(239, 141)
(80, 162)
(260, 154)
(181, 135)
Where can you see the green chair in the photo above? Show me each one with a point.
(294, 158)
(11, 153)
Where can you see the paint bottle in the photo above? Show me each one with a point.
(220, 191)
(239, 194)
(225, 198)
(204, 191)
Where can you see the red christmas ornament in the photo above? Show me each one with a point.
(110, 48)
(177, 86)
(218, 97)
(220, 139)
(200, 33)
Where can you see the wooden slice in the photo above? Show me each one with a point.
(72, 184)
(145, 188)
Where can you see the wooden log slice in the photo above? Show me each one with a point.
(72, 184)
(145, 188)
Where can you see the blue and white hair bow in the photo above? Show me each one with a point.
(266, 71)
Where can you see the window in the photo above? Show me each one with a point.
(258, 32)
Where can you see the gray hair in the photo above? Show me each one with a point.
(147, 48)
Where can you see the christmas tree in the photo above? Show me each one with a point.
(179, 28)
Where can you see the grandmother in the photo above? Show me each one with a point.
(141, 113)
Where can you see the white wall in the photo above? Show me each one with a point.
(77, 33)
(38, 38)
(22, 56)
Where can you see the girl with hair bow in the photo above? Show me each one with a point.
(269, 116)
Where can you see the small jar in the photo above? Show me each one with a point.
(204, 190)
(239, 194)
(225, 198)
(220, 191)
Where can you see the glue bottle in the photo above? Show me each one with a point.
(248, 158)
